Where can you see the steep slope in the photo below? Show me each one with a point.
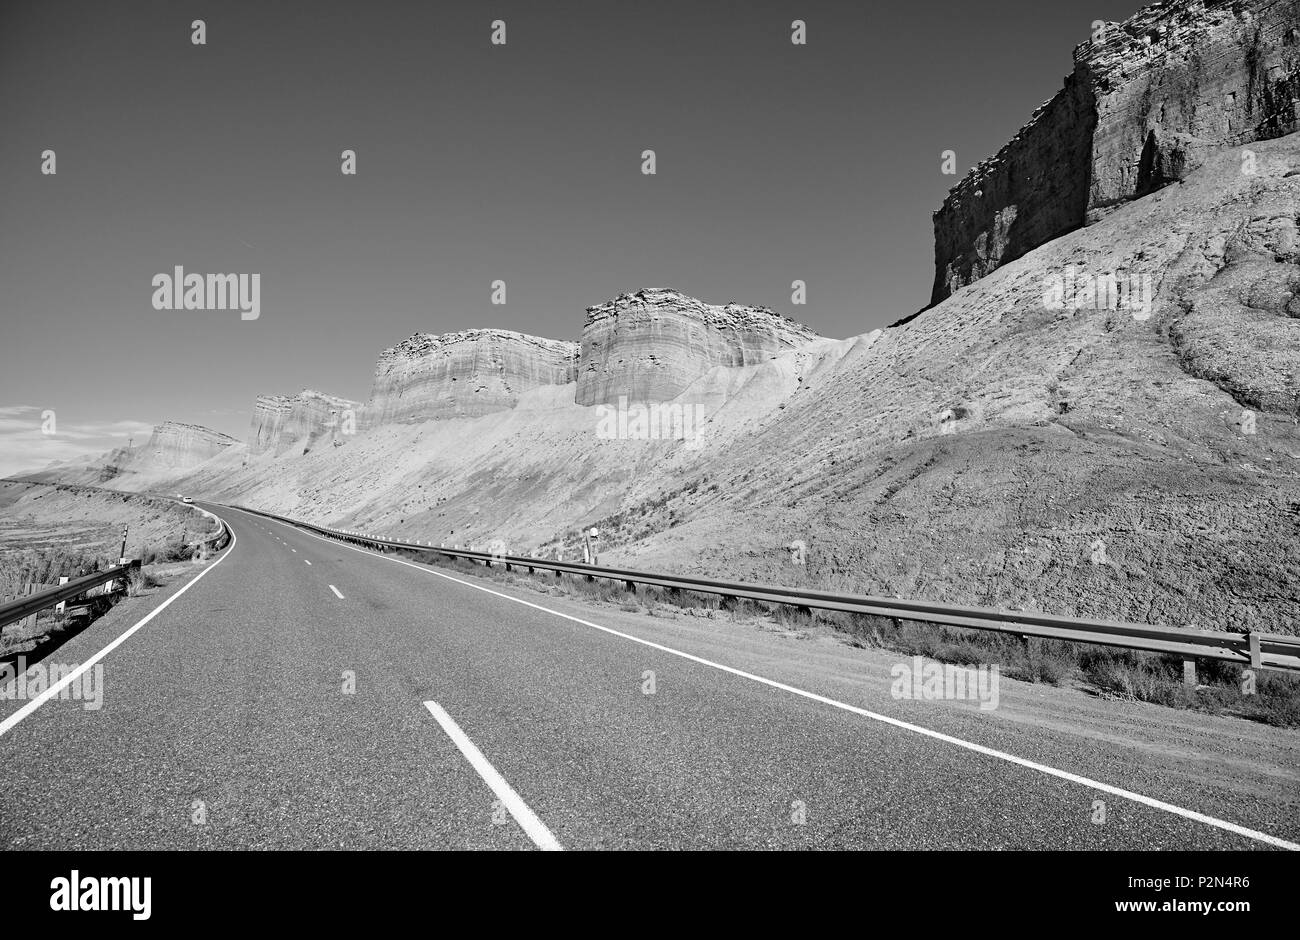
(1075, 460)
(1149, 99)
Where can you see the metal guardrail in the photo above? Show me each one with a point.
(26, 606)
(218, 540)
(1253, 649)
(13, 611)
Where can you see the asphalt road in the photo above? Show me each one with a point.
(303, 694)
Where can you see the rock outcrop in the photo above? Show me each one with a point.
(650, 345)
(282, 424)
(180, 446)
(466, 374)
(1148, 99)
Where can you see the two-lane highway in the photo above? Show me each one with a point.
(306, 694)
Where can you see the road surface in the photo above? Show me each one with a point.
(305, 694)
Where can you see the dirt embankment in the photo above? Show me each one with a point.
(48, 530)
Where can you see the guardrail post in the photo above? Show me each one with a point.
(1253, 639)
(30, 621)
(1027, 646)
(1189, 673)
(61, 606)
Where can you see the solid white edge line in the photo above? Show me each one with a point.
(16, 717)
(895, 722)
(527, 819)
(337, 593)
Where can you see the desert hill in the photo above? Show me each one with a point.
(1028, 441)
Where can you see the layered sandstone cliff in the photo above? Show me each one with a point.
(466, 374)
(299, 423)
(178, 446)
(1147, 101)
(651, 344)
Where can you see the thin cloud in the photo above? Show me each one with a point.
(28, 442)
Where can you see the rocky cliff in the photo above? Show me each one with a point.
(180, 446)
(298, 423)
(1147, 101)
(651, 344)
(466, 374)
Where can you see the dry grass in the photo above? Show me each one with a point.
(140, 581)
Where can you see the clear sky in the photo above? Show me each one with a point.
(475, 163)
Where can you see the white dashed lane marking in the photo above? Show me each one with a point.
(527, 819)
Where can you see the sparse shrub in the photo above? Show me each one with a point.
(174, 549)
(962, 652)
(744, 608)
(838, 619)
(787, 615)
(690, 600)
(138, 581)
(1276, 700)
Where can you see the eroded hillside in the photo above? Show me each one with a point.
(998, 451)
(1102, 421)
